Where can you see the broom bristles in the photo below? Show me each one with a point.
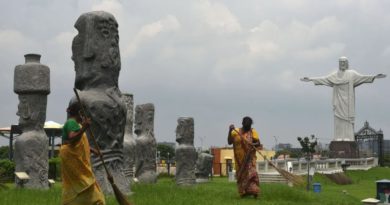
(296, 180)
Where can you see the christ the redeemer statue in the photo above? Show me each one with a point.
(343, 82)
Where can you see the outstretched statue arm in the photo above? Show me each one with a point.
(380, 75)
(360, 79)
(318, 80)
(305, 79)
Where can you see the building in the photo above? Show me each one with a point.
(370, 143)
(386, 152)
(224, 159)
(283, 146)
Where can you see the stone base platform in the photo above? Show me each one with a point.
(343, 149)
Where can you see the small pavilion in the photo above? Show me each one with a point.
(52, 129)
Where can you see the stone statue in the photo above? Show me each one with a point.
(95, 52)
(32, 84)
(186, 154)
(145, 144)
(343, 82)
(129, 144)
(204, 166)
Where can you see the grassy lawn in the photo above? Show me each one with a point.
(221, 192)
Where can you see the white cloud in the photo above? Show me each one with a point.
(15, 41)
(218, 16)
(386, 52)
(264, 41)
(328, 29)
(321, 52)
(167, 24)
(112, 6)
(63, 39)
(270, 40)
(288, 79)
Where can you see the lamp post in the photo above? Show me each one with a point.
(308, 148)
(169, 166)
(276, 142)
(157, 158)
(201, 143)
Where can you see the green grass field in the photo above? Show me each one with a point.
(221, 192)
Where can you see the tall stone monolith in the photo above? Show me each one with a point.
(129, 144)
(186, 154)
(97, 62)
(32, 84)
(145, 144)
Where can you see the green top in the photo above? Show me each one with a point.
(70, 125)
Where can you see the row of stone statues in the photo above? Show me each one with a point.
(32, 85)
(95, 52)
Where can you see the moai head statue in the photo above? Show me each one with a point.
(144, 119)
(96, 51)
(185, 130)
(32, 84)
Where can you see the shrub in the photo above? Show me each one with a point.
(7, 170)
(55, 168)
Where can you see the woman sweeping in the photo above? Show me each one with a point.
(79, 186)
(243, 140)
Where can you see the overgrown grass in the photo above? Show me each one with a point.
(221, 192)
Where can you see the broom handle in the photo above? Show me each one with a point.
(246, 161)
(109, 176)
(246, 141)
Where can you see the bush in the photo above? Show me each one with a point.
(7, 170)
(55, 168)
(4, 152)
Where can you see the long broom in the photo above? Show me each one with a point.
(296, 180)
(120, 197)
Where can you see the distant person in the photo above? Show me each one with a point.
(79, 186)
(244, 141)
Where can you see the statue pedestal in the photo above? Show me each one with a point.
(343, 149)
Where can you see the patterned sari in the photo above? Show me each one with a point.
(79, 186)
(245, 162)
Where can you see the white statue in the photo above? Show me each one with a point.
(343, 82)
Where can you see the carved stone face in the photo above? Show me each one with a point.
(95, 51)
(24, 111)
(343, 63)
(185, 131)
(144, 118)
(31, 111)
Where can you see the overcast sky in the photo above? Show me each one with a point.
(214, 60)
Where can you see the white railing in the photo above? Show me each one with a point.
(321, 165)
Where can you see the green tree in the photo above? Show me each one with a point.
(308, 148)
(283, 152)
(7, 169)
(164, 150)
(4, 152)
